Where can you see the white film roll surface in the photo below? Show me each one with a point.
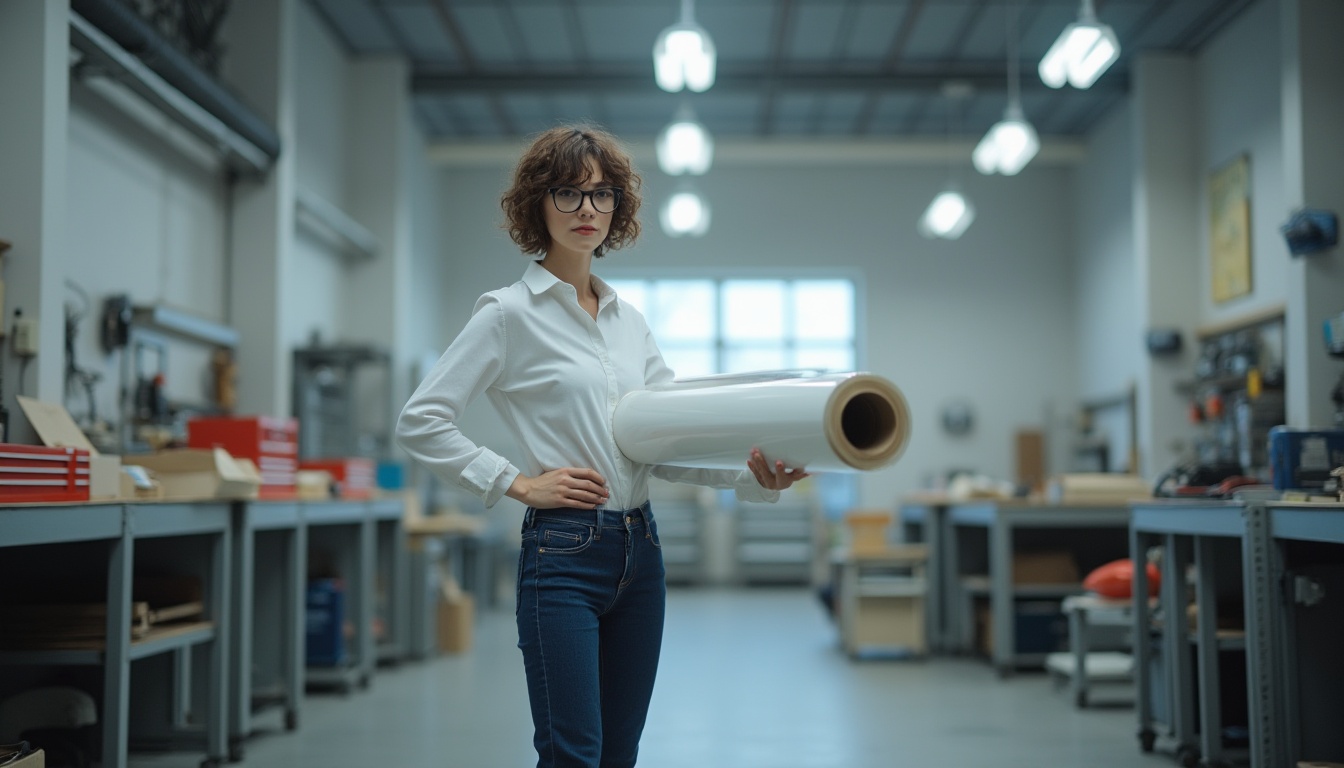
(834, 422)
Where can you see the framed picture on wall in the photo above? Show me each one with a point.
(1230, 229)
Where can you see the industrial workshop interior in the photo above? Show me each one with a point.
(867, 383)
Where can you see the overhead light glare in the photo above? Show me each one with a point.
(947, 217)
(1081, 53)
(1008, 146)
(684, 55)
(685, 147)
(685, 213)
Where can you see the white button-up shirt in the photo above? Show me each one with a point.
(555, 375)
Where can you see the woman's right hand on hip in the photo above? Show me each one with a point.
(567, 487)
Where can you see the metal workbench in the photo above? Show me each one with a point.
(1303, 703)
(1170, 693)
(1005, 522)
(924, 521)
(162, 721)
(393, 573)
(270, 555)
(342, 534)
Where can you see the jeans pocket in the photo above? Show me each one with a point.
(559, 537)
(653, 534)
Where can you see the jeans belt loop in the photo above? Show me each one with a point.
(597, 522)
(646, 512)
(529, 518)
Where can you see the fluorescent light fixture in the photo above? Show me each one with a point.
(684, 146)
(683, 55)
(1008, 146)
(1081, 53)
(947, 216)
(685, 213)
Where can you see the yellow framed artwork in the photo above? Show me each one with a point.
(1230, 229)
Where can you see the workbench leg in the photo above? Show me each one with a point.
(240, 687)
(1143, 656)
(117, 662)
(1001, 596)
(1271, 672)
(1175, 598)
(293, 629)
(364, 610)
(217, 723)
(1209, 656)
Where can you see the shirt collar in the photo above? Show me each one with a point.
(539, 280)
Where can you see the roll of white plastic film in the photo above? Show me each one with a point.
(826, 422)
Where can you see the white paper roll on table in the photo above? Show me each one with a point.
(835, 422)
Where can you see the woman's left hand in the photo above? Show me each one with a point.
(776, 479)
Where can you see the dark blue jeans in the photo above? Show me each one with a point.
(591, 598)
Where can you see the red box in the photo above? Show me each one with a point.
(272, 443)
(355, 476)
(36, 473)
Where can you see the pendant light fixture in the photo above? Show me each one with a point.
(685, 213)
(1081, 53)
(683, 55)
(684, 146)
(950, 213)
(1012, 142)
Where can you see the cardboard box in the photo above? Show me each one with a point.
(56, 429)
(1029, 452)
(36, 759)
(195, 473)
(456, 617)
(868, 531)
(1046, 567)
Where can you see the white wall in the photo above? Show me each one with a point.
(1239, 113)
(988, 318)
(321, 150)
(146, 217)
(1110, 331)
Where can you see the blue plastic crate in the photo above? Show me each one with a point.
(325, 620)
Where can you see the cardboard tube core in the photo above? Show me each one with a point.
(868, 422)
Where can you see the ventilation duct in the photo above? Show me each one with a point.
(254, 142)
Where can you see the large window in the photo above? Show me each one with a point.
(706, 326)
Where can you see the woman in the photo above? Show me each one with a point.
(555, 352)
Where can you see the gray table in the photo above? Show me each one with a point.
(270, 554)
(1188, 532)
(1303, 706)
(925, 521)
(346, 529)
(394, 576)
(1004, 521)
(163, 721)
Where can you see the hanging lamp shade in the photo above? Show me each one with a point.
(1081, 53)
(1008, 146)
(686, 213)
(684, 58)
(685, 146)
(947, 217)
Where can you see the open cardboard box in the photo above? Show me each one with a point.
(57, 430)
(201, 473)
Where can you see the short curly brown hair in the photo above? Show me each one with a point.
(560, 156)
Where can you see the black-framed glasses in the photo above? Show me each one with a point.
(570, 199)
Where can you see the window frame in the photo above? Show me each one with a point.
(718, 278)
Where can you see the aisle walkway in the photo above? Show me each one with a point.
(749, 679)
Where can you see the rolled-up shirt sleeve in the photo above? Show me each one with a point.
(427, 428)
(744, 483)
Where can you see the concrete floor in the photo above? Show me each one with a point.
(750, 678)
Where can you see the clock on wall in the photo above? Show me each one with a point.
(958, 417)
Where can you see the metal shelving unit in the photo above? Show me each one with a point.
(270, 556)
(121, 527)
(1191, 695)
(775, 543)
(988, 563)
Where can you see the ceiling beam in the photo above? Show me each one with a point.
(627, 79)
